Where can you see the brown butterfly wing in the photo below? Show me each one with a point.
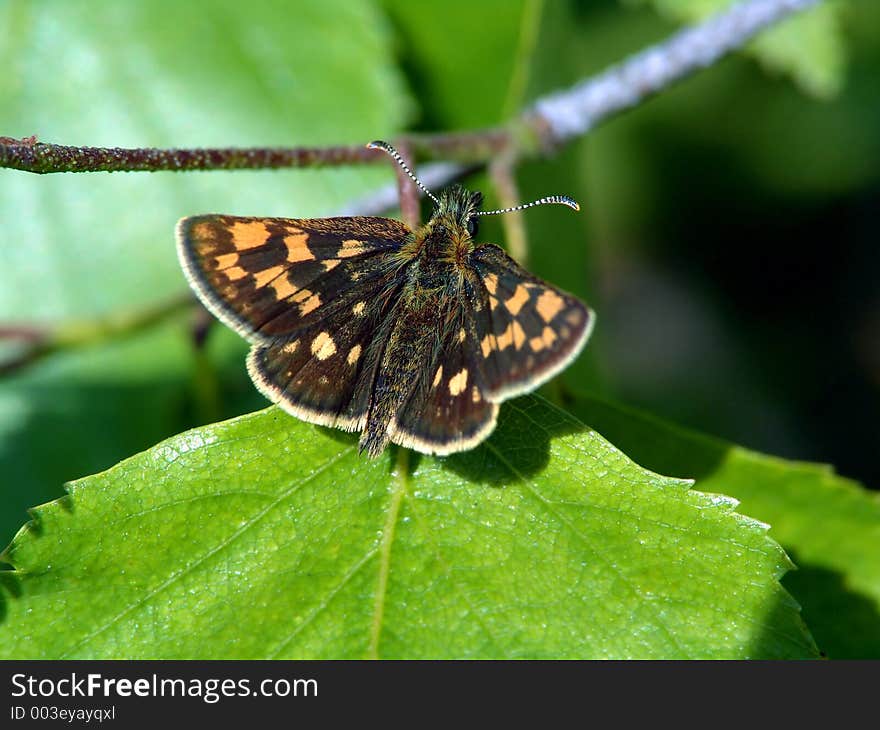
(269, 277)
(527, 329)
(310, 294)
(325, 373)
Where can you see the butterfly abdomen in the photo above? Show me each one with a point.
(401, 377)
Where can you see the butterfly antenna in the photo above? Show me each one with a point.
(387, 148)
(552, 200)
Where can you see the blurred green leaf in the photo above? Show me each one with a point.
(462, 56)
(830, 525)
(157, 72)
(267, 537)
(809, 47)
(171, 74)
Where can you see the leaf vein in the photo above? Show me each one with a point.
(173, 578)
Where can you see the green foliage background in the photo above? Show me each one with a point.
(516, 549)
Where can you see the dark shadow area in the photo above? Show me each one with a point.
(34, 525)
(66, 503)
(844, 622)
(342, 437)
(770, 643)
(790, 282)
(654, 444)
(518, 448)
(431, 115)
(10, 588)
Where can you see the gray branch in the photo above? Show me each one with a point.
(433, 176)
(575, 111)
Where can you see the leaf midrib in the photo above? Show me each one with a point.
(399, 489)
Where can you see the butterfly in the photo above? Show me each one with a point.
(406, 336)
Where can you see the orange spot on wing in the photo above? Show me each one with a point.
(351, 247)
(505, 339)
(310, 305)
(513, 335)
(519, 298)
(203, 231)
(489, 343)
(575, 317)
(225, 261)
(546, 340)
(519, 335)
(283, 288)
(323, 346)
(458, 382)
(248, 234)
(297, 250)
(235, 273)
(549, 305)
(262, 278)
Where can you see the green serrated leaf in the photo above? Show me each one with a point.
(809, 46)
(831, 525)
(267, 537)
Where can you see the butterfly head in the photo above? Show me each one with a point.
(458, 209)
